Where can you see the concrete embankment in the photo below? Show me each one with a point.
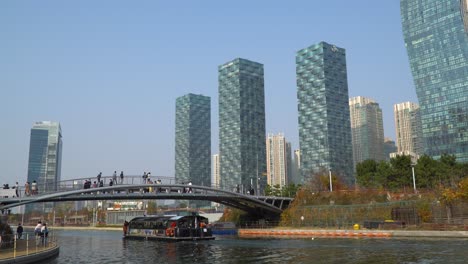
(309, 233)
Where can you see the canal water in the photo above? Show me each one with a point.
(108, 247)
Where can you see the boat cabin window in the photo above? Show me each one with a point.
(156, 223)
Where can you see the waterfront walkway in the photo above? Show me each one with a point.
(312, 233)
(26, 251)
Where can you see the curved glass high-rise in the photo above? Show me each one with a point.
(436, 39)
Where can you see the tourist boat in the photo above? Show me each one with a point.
(169, 228)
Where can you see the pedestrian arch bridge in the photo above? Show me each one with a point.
(133, 189)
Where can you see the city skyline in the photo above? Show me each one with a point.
(117, 115)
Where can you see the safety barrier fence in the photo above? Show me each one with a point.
(12, 246)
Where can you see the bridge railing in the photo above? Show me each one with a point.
(43, 188)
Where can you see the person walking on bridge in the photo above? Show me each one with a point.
(99, 177)
(34, 188)
(121, 177)
(27, 191)
(114, 177)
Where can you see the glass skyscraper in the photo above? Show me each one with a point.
(366, 129)
(242, 125)
(324, 121)
(435, 34)
(45, 159)
(193, 140)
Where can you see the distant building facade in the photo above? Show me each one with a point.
(242, 124)
(193, 140)
(389, 147)
(277, 160)
(436, 40)
(296, 167)
(289, 163)
(366, 129)
(324, 120)
(409, 137)
(45, 155)
(216, 179)
(45, 159)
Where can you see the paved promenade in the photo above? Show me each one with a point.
(303, 233)
(28, 252)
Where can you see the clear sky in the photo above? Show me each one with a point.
(110, 71)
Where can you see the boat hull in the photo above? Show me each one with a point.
(166, 238)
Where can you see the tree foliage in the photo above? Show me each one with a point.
(397, 174)
(287, 190)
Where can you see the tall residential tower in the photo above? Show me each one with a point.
(324, 122)
(278, 160)
(366, 129)
(241, 124)
(409, 138)
(215, 180)
(193, 140)
(436, 39)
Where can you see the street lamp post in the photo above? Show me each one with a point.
(414, 178)
(330, 176)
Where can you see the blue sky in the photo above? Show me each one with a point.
(110, 71)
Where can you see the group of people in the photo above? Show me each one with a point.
(112, 181)
(150, 189)
(41, 232)
(87, 184)
(146, 177)
(31, 188)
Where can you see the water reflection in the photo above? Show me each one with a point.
(109, 247)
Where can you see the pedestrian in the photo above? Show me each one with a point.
(101, 183)
(94, 184)
(27, 191)
(34, 188)
(159, 188)
(144, 177)
(44, 234)
(37, 232)
(150, 189)
(148, 176)
(121, 177)
(125, 228)
(99, 177)
(17, 189)
(19, 231)
(111, 182)
(190, 188)
(114, 177)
